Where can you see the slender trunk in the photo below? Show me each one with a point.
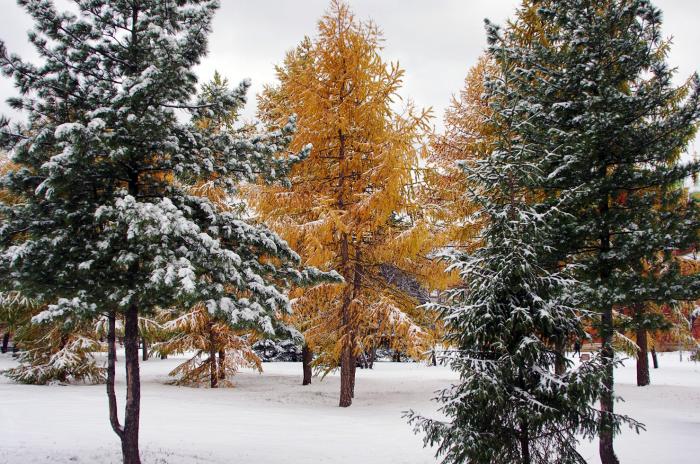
(346, 352)
(642, 357)
(111, 361)
(524, 444)
(306, 358)
(144, 344)
(643, 377)
(560, 359)
(132, 409)
(654, 359)
(5, 341)
(353, 371)
(606, 431)
(222, 364)
(372, 356)
(346, 358)
(433, 358)
(345, 376)
(213, 377)
(130, 437)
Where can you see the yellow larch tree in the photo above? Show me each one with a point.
(468, 136)
(352, 206)
(206, 336)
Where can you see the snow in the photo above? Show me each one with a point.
(271, 418)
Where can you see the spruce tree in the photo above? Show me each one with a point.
(513, 308)
(609, 125)
(106, 161)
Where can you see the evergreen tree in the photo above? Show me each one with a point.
(514, 305)
(107, 223)
(608, 124)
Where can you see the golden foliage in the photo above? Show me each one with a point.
(197, 331)
(467, 138)
(353, 205)
(53, 352)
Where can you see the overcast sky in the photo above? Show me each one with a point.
(435, 41)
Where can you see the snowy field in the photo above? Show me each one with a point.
(271, 418)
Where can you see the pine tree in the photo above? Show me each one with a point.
(107, 224)
(511, 403)
(605, 116)
(351, 206)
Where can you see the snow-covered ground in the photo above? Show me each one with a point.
(271, 418)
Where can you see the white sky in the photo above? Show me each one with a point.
(435, 41)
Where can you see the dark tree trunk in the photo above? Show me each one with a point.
(345, 376)
(433, 358)
(346, 355)
(654, 359)
(372, 356)
(213, 375)
(144, 345)
(524, 444)
(606, 433)
(5, 341)
(353, 371)
(642, 359)
(560, 360)
(306, 358)
(111, 362)
(222, 364)
(130, 436)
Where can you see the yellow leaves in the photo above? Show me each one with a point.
(353, 204)
(197, 331)
(211, 191)
(7, 166)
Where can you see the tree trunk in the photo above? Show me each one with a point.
(213, 375)
(306, 358)
(524, 444)
(353, 371)
(222, 364)
(560, 360)
(144, 345)
(345, 376)
(433, 358)
(654, 359)
(606, 431)
(642, 359)
(163, 356)
(130, 437)
(346, 353)
(5, 341)
(111, 361)
(372, 356)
